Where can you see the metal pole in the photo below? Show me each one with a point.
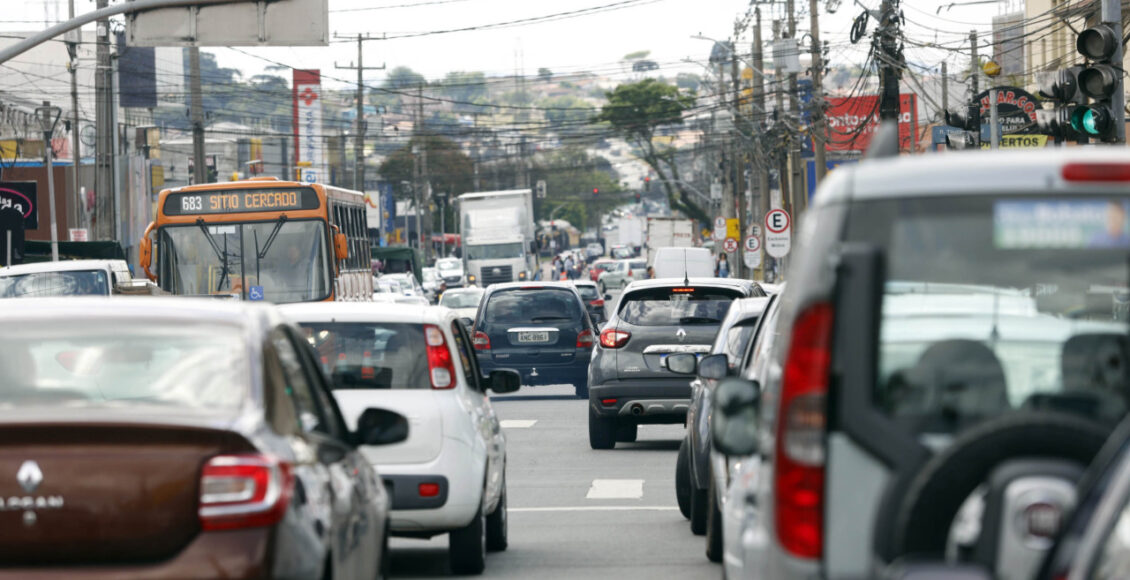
(994, 121)
(8, 246)
(975, 72)
(945, 88)
(72, 50)
(819, 131)
(196, 112)
(359, 139)
(1112, 16)
(103, 152)
(47, 150)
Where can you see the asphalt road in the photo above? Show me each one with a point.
(575, 512)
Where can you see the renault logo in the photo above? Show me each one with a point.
(29, 476)
(681, 334)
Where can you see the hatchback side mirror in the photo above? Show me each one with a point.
(607, 297)
(380, 427)
(683, 363)
(734, 424)
(503, 381)
(715, 366)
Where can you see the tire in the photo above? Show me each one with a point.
(627, 432)
(713, 526)
(699, 501)
(498, 524)
(683, 480)
(602, 432)
(467, 546)
(603, 289)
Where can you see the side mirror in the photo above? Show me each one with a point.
(380, 427)
(341, 246)
(467, 322)
(733, 425)
(503, 381)
(683, 363)
(715, 366)
(607, 297)
(145, 252)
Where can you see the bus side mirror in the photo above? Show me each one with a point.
(341, 246)
(145, 252)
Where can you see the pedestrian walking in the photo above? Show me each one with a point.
(723, 266)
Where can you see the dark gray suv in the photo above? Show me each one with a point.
(629, 384)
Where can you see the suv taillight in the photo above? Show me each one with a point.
(597, 302)
(441, 368)
(481, 340)
(584, 339)
(244, 491)
(799, 472)
(611, 338)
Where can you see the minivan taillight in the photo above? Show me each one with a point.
(598, 302)
(799, 472)
(611, 338)
(584, 339)
(441, 368)
(481, 340)
(244, 491)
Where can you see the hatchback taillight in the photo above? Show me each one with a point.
(584, 339)
(597, 302)
(441, 368)
(244, 491)
(799, 470)
(611, 338)
(481, 340)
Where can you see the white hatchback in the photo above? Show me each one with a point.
(449, 475)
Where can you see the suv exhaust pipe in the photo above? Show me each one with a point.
(637, 409)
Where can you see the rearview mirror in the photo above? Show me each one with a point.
(341, 246)
(504, 381)
(734, 422)
(715, 366)
(145, 254)
(380, 427)
(682, 363)
(607, 297)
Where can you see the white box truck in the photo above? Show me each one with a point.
(630, 232)
(668, 232)
(498, 236)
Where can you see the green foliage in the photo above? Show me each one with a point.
(570, 175)
(467, 87)
(636, 109)
(688, 81)
(567, 113)
(403, 77)
(637, 55)
(545, 74)
(449, 169)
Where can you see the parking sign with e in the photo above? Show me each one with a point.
(778, 235)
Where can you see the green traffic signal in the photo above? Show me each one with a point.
(1094, 121)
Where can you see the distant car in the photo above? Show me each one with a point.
(599, 266)
(629, 383)
(541, 330)
(449, 476)
(624, 272)
(622, 252)
(408, 284)
(464, 301)
(433, 284)
(593, 300)
(683, 262)
(182, 438)
(594, 251)
(452, 272)
(64, 278)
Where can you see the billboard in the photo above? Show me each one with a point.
(275, 23)
(309, 151)
(137, 75)
(852, 122)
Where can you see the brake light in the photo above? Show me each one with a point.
(629, 273)
(481, 340)
(584, 339)
(799, 473)
(428, 489)
(244, 491)
(608, 402)
(611, 338)
(1096, 172)
(597, 302)
(440, 366)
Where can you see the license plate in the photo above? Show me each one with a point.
(533, 337)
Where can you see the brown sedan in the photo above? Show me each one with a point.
(176, 438)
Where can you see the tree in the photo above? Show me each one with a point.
(567, 113)
(688, 81)
(635, 111)
(545, 74)
(403, 77)
(637, 55)
(449, 169)
(570, 175)
(465, 87)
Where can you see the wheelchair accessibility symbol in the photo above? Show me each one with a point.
(255, 293)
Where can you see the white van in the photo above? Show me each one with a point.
(683, 263)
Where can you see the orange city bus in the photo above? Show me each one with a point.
(260, 239)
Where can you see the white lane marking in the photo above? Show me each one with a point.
(598, 508)
(517, 423)
(615, 489)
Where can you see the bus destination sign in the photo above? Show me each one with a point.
(240, 201)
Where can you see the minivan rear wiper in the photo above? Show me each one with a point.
(698, 320)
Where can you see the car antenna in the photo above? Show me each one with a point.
(686, 276)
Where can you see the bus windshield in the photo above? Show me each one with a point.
(277, 261)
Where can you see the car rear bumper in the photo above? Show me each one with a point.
(460, 473)
(660, 400)
(574, 372)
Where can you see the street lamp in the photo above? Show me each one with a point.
(49, 117)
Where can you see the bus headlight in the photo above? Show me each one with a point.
(522, 275)
(471, 278)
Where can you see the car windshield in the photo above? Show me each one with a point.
(461, 299)
(531, 306)
(430, 275)
(277, 261)
(182, 366)
(494, 251)
(448, 265)
(70, 283)
(999, 304)
(621, 253)
(676, 306)
(370, 355)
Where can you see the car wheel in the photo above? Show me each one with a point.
(467, 546)
(699, 501)
(498, 523)
(603, 290)
(627, 433)
(602, 431)
(713, 526)
(683, 480)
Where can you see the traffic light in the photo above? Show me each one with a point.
(595, 191)
(647, 183)
(637, 197)
(1100, 80)
(967, 119)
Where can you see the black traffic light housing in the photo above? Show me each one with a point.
(1100, 80)
(969, 120)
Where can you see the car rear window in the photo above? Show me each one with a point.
(531, 306)
(995, 304)
(587, 293)
(371, 355)
(677, 306)
(637, 265)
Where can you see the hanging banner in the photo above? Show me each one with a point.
(308, 146)
(852, 122)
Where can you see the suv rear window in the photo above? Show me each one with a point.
(588, 293)
(370, 355)
(531, 306)
(677, 306)
(993, 304)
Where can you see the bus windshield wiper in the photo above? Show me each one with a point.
(260, 254)
(221, 254)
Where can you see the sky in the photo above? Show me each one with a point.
(595, 41)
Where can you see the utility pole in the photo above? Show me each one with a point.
(196, 113)
(975, 70)
(1112, 16)
(104, 154)
(737, 163)
(759, 103)
(819, 130)
(796, 192)
(945, 88)
(889, 62)
(779, 92)
(362, 126)
(73, 40)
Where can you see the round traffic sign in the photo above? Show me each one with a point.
(777, 221)
(719, 223)
(730, 245)
(751, 259)
(752, 244)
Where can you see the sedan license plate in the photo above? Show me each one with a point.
(533, 337)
